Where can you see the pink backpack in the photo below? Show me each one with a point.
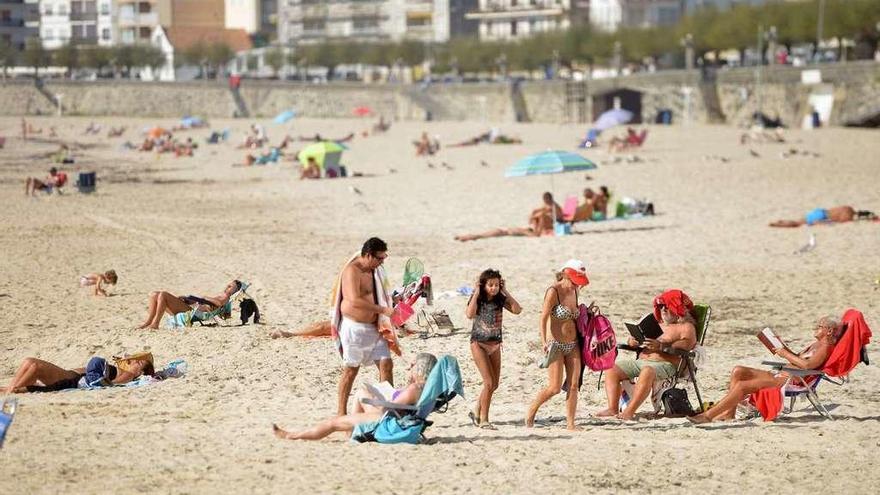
(600, 344)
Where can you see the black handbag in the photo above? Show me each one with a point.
(676, 403)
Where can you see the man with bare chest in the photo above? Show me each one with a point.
(359, 336)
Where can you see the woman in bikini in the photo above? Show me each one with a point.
(37, 375)
(162, 302)
(486, 307)
(559, 317)
(745, 381)
(419, 370)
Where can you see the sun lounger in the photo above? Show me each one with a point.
(407, 424)
(850, 350)
(189, 318)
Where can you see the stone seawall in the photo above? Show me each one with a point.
(730, 96)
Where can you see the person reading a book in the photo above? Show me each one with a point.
(673, 310)
(419, 370)
(558, 331)
(745, 381)
(161, 302)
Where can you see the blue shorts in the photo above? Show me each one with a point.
(816, 216)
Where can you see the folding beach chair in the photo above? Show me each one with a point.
(224, 312)
(434, 322)
(687, 368)
(407, 424)
(851, 349)
(569, 208)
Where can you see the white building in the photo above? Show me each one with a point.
(511, 19)
(652, 13)
(243, 14)
(84, 22)
(314, 21)
(174, 41)
(606, 15)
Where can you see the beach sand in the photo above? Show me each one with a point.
(188, 225)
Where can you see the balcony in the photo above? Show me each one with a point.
(137, 19)
(515, 13)
(11, 22)
(84, 16)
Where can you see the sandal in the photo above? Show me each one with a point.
(473, 417)
(487, 426)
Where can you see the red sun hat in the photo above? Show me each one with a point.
(576, 272)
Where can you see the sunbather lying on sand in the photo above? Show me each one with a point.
(745, 381)
(51, 377)
(316, 329)
(540, 223)
(419, 370)
(838, 214)
(492, 136)
(161, 302)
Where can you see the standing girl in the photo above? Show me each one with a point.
(486, 307)
(559, 320)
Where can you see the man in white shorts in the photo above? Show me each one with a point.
(358, 335)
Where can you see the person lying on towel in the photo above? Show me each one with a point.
(419, 370)
(745, 381)
(161, 302)
(36, 375)
(838, 214)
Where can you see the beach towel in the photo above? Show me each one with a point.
(847, 353)
(381, 289)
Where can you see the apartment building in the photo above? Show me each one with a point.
(84, 22)
(192, 13)
(652, 13)
(136, 20)
(428, 21)
(512, 19)
(606, 15)
(242, 14)
(19, 20)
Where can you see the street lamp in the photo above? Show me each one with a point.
(688, 43)
(618, 57)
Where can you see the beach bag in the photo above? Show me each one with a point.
(675, 403)
(599, 350)
(249, 308)
(124, 363)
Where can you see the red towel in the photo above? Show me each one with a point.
(676, 301)
(847, 353)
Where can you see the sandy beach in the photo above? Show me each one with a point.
(190, 224)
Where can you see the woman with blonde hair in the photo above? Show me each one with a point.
(558, 332)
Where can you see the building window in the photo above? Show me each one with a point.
(105, 34)
(62, 9)
(513, 28)
(47, 9)
(105, 9)
(314, 25)
(362, 23)
(48, 34)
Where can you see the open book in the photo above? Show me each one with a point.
(383, 391)
(770, 340)
(645, 328)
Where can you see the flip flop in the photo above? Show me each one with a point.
(487, 426)
(473, 418)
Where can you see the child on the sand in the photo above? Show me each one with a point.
(486, 307)
(97, 280)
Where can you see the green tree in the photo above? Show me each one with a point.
(274, 58)
(68, 57)
(8, 57)
(197, 54)
(96, 57)
(152, 57)
(218, 55)
(35, 55)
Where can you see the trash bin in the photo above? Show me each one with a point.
(86, 182)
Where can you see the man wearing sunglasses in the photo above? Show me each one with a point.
(359, 336)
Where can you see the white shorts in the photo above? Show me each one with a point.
(361, 343)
